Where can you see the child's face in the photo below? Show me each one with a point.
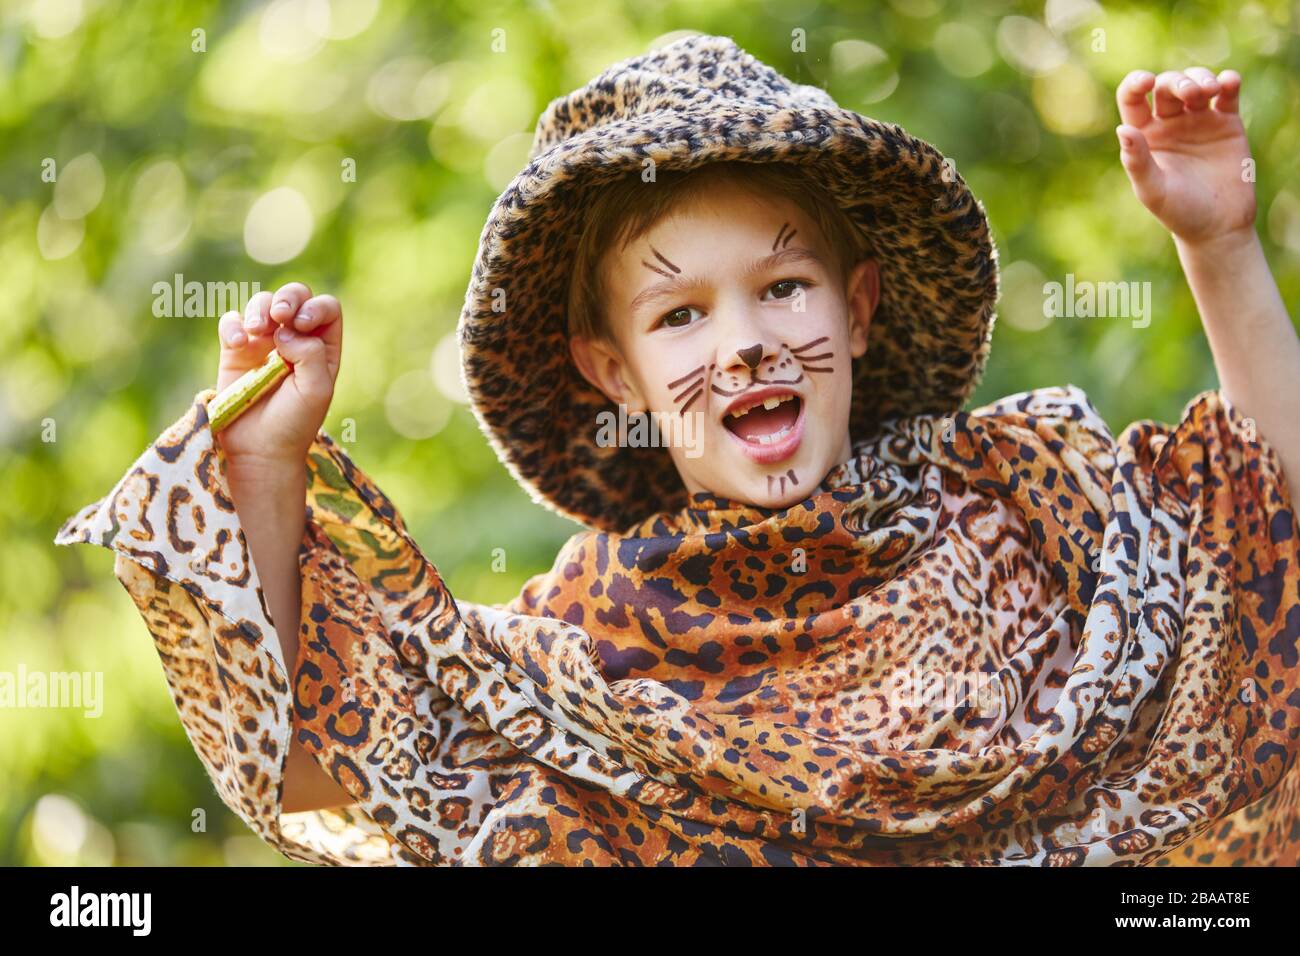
(735, 303)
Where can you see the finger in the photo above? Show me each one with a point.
(1168, 101)
(316, 312)
(1147, 178)
(322, 316)
(257, 320)
(1229, 90)
(1205, 78)
(1207, 87)
(239, 351)
(231, 329)
(1132, 97)
(1190, 92)
(306, 353)
(288, 300)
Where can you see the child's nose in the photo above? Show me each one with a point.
(746, 359)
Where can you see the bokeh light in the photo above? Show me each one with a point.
(278, 226)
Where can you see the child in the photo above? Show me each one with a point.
(845, 622)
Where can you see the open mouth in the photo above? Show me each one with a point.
(766, 420)
(767, 425)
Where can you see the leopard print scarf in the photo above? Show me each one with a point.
(994, 638)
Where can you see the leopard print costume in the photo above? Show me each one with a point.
(729, 685)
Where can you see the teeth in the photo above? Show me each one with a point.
(772, 438)
(768, 403)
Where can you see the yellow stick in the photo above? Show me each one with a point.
(246, 391)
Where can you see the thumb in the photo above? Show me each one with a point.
(306, 353)
(1147, 177)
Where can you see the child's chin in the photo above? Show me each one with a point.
(777, 484)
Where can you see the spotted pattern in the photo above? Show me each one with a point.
(1003, 637)
(699, 100)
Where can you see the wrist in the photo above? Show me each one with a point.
(265, 472)
(1223, 247)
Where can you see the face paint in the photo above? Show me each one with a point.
(801, 353)
(692, 391)
(774, 488)
(772, 394)
(788, 237)
(798, 354)
(654, 268)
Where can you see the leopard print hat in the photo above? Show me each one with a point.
(698, 100)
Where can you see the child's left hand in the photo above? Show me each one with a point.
(1186, 161)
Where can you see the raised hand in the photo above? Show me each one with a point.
(308, 332)
(266, 451)
(1186, 157)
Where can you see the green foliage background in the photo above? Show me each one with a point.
(437, 123)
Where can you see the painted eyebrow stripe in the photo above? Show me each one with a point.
(652, 268)
(660, 257)
(687, 377)
(779, 234)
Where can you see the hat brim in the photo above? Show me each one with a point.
(929, 337)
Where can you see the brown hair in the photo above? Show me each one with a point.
(625, 209)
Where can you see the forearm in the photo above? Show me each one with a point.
(270, 500)
(1255, 347)
(274, 533)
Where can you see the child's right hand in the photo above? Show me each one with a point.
(266, 451)
(308, 332)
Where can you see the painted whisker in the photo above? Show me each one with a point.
(698, 383)
(693, 373)
(807, 345)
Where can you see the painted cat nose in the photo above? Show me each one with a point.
(751, 356)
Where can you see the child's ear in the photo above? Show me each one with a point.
(602, 365)
(863, 297)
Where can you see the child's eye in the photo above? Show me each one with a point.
(678, 318)
(786, 288)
